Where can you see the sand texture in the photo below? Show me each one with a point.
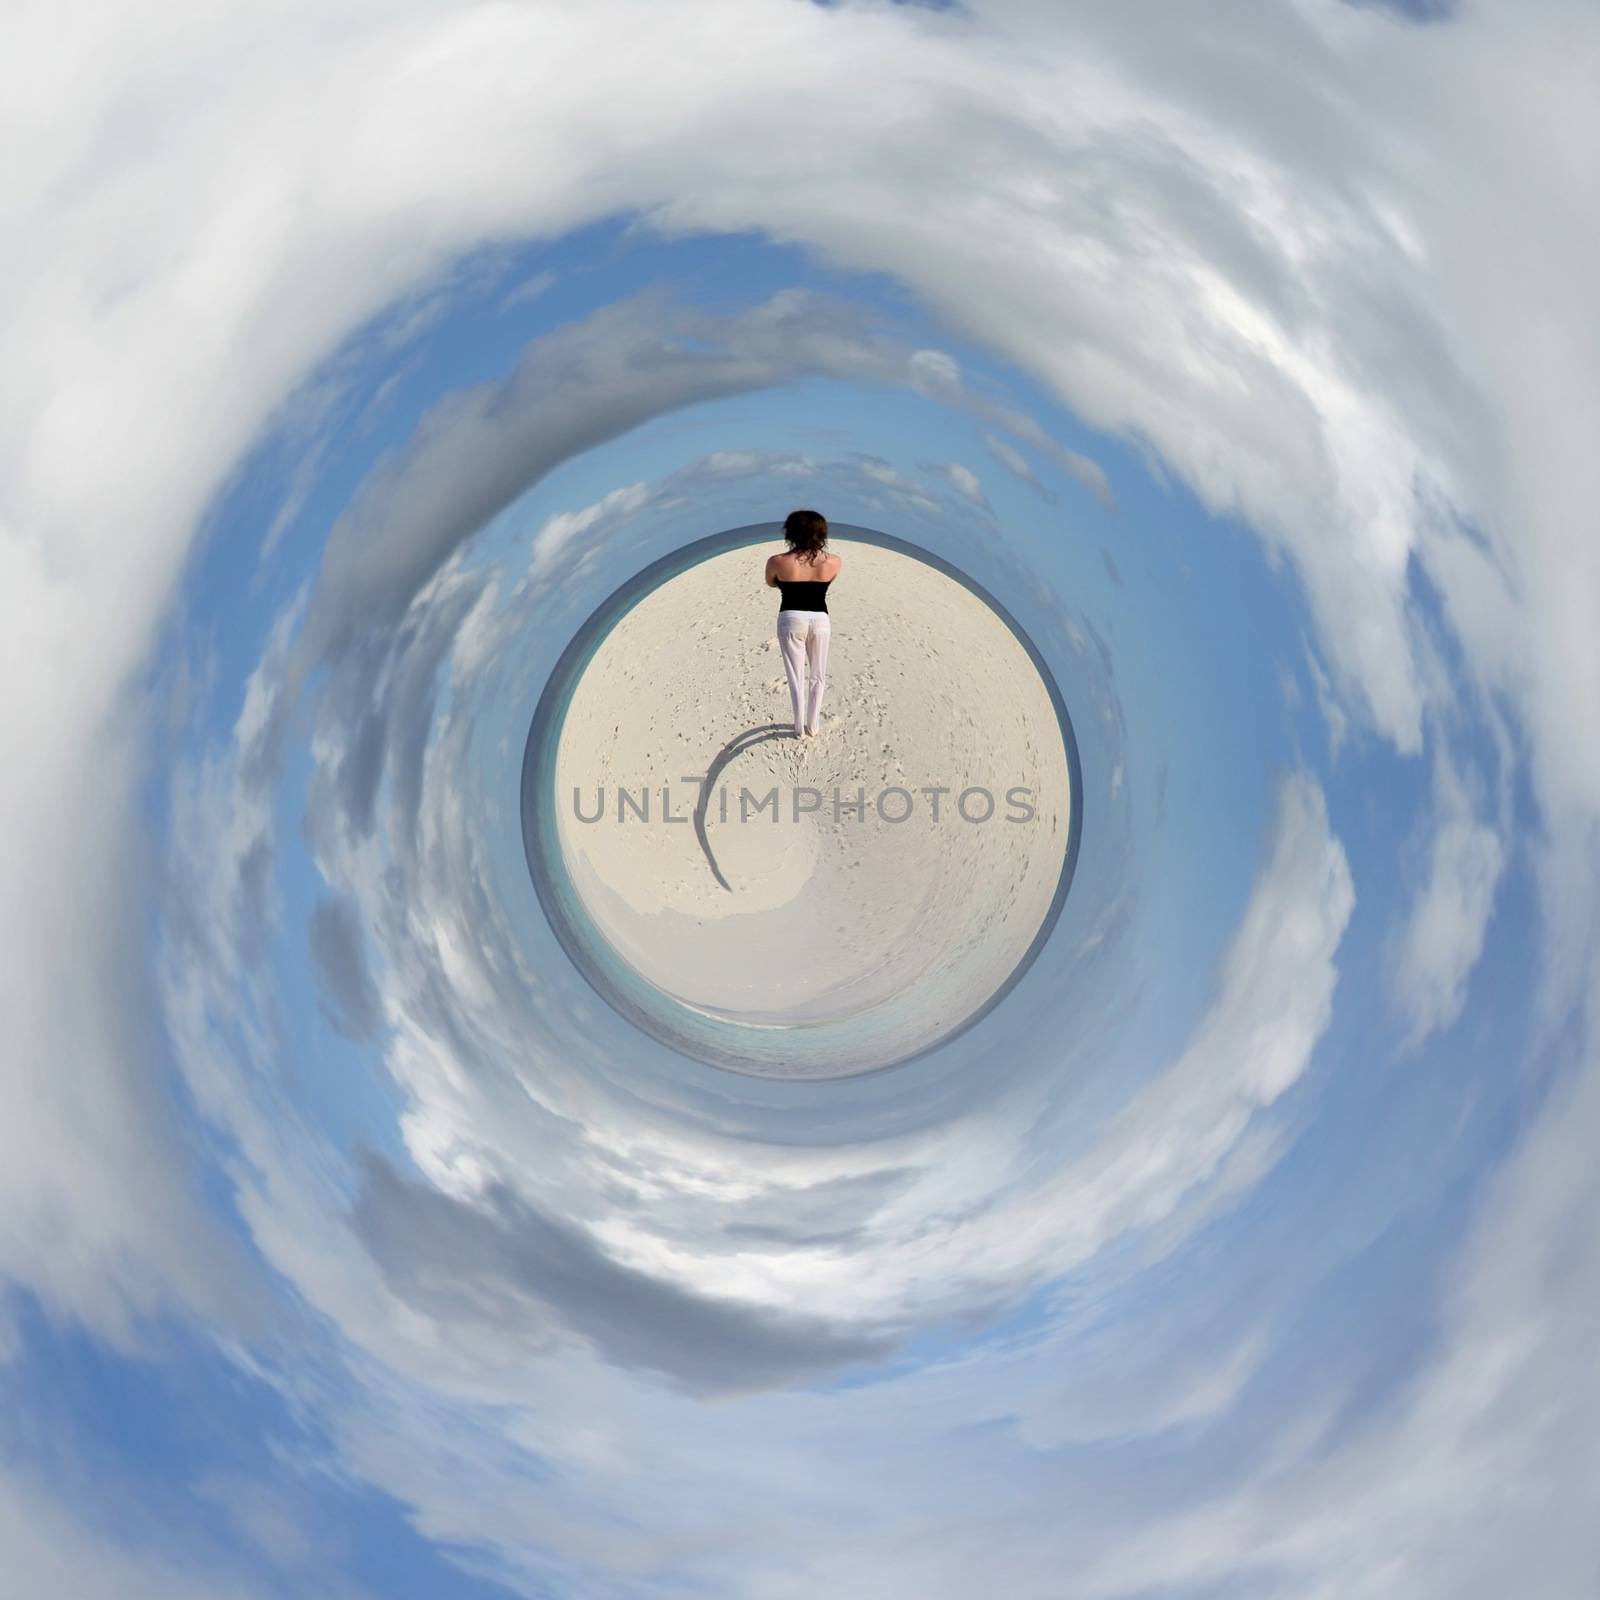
(775, 922)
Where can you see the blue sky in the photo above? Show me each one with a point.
(350, 1245)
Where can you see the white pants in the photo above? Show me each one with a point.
(803, 639)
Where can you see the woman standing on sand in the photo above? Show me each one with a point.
(802, 574)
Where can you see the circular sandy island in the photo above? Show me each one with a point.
(819, 907)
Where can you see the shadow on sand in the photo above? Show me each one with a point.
(734, 748)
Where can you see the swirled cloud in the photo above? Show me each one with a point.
(352, 1244)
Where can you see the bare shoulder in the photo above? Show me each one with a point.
(835, 563)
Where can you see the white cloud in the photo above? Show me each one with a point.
(966, 481)
(1310, 259)
(1481, 1471)
(528, 289)
(1334, 714)
(559, 532)
(1011, 459)
(1443, 935)
(51, 1548)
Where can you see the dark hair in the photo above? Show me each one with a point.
(805, 531)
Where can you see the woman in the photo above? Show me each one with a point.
(802, 574)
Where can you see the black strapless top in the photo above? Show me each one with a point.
(804, 594)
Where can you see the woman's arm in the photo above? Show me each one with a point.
(772, 583)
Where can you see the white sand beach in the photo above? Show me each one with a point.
(773, 922)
